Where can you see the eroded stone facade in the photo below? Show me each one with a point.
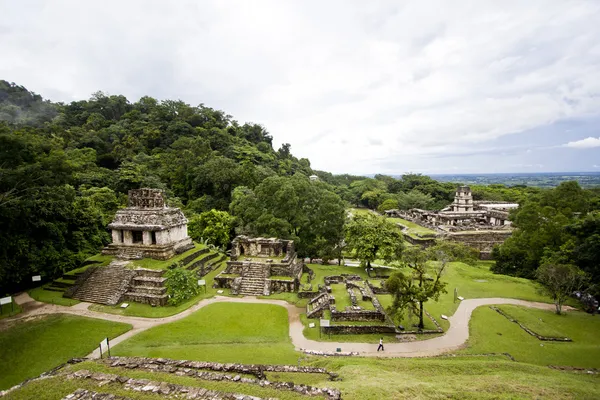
(148, 228)
(260, 266)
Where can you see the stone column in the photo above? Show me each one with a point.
(116, 236)
(162, 237)
(127, 237)
(147, 238)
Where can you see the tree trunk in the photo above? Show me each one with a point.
(421, 324)
(558, 307)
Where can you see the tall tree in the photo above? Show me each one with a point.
(370, 237)
(419, 280)
(560, 281)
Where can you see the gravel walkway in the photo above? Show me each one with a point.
(453, 339)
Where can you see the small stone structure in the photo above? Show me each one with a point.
(148, 228)
(260, 266)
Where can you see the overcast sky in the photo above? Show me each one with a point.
(355, 86)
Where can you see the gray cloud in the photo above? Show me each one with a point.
(429, 80)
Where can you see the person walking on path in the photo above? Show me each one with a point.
(380, 345)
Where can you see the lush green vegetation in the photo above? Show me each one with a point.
(29, 348)
(62, 180)
(557, 226)
(370, 237)
(224, 332)
(491, 332)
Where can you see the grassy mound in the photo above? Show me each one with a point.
(223, 332)
(29, 348)
(491, 332)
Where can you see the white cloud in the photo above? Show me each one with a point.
(586, 143)
(335, 79)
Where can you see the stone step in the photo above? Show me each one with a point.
(146, 298)
(148, 289)
(149, 273)
(148, 281)
(106, 285)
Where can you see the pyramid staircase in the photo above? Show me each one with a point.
(254, 279)
(148, 287)
(106, 285)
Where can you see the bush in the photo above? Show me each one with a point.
(181, 285)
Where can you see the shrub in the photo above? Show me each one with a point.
(181, 285)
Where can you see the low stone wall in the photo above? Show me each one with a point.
(358, 315)
(258, 370)
(280, 285)
(358, 329)
(194, 255)
(328, 280)
(423, 242)
(224, 282)
(377, 289)
(234, 267)
(308, 295)
(483, 240)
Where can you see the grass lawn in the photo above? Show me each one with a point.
(146, 310)
(533, 321)
(29, 348)
(102, 259)
(412, 228)
(479, 282)
(342, 298)
(491, 332)
(455, 378)
(8, 310)
(50, 296)
(223, 332)
(359, 211)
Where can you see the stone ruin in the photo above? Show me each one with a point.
(462, 214)
(478, 224)
(148, 228)
(259, 266)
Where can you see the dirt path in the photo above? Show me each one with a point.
(453, 339)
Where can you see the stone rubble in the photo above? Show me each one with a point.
(198, 369)
(161, 388)
(84, 394)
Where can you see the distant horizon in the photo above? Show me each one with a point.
(477, 173)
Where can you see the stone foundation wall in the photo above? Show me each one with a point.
(361, 315)
(358, 329)
(223, 282)
(308, 295)
(279, 285)
(484, 241)
(423, 242)
(377, 289)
